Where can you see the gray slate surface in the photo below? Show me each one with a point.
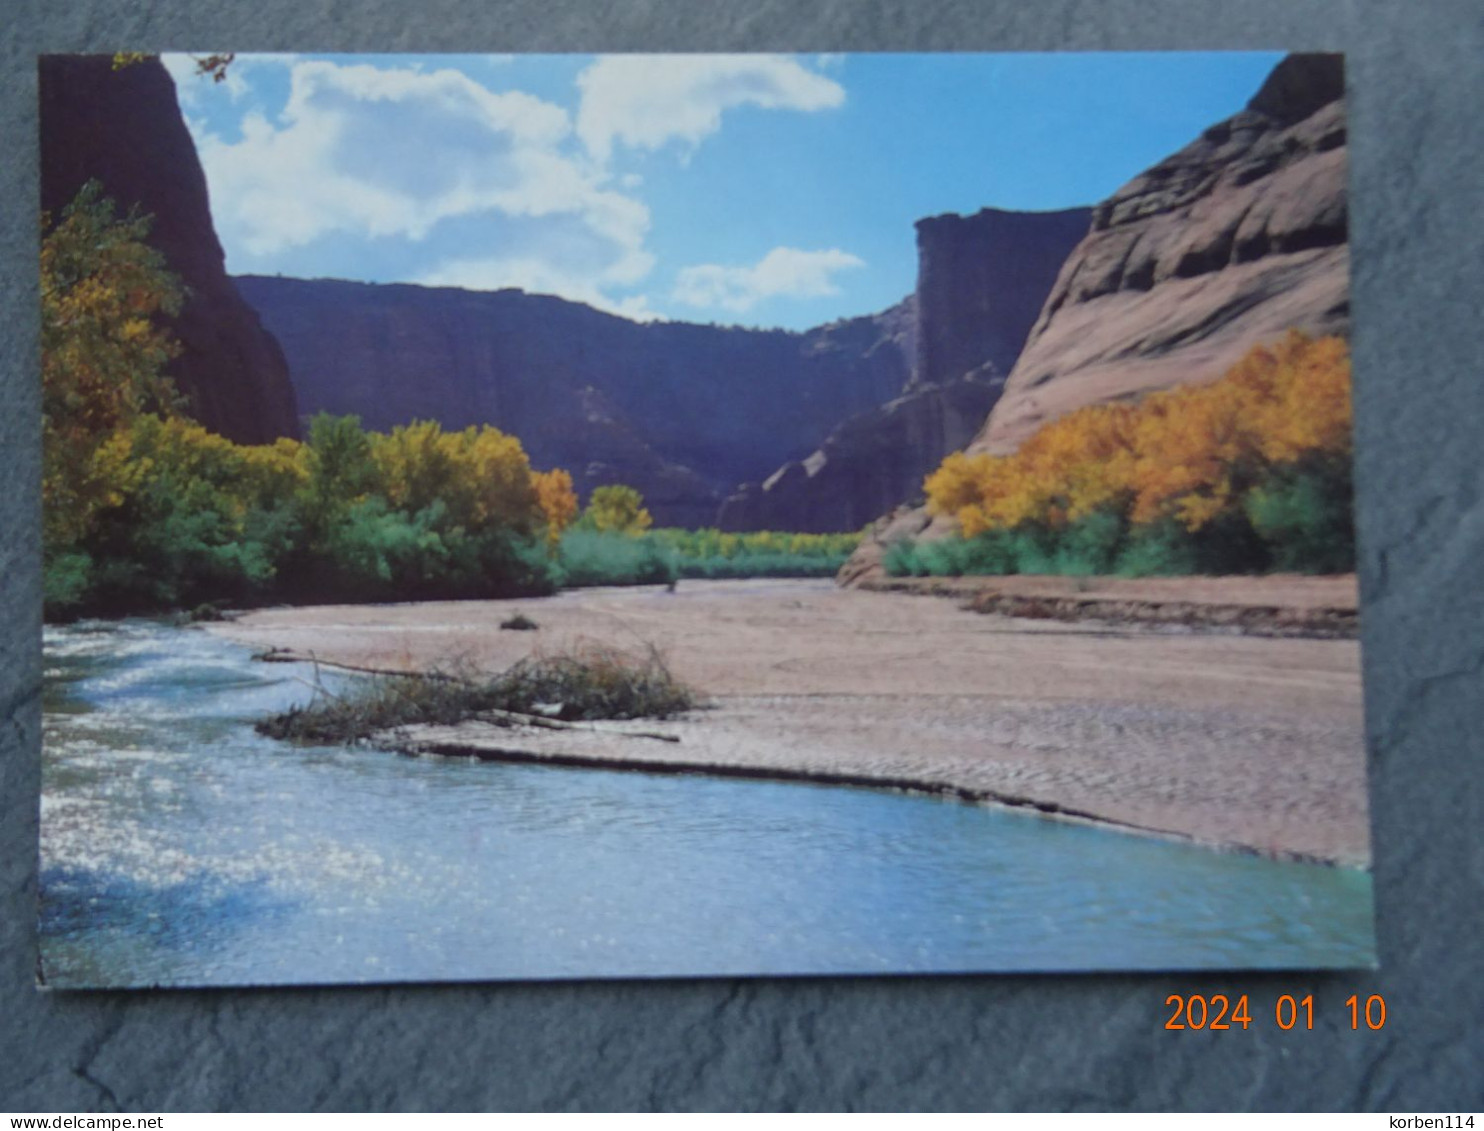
(1417, 92)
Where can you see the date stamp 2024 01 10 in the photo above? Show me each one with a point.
(1219, 1011)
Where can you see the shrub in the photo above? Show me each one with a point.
(66, 580)
(377, 552)
(590, 557)
(594, 682)
(1303, 513)
(779, 564)
(616, 509)
(1089, 546)
(589, 683)
(1157, 549)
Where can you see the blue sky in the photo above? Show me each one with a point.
(761, 190)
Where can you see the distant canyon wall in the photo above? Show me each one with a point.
(747, 429)
(124, 128)
(981, 283)
(682, 412)
(868, 464)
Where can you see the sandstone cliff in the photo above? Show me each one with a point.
(683, 412)
(981, 282)
(1232, 241)
(124, 128)
(1229, 242)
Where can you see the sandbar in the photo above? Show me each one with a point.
(1236, 741)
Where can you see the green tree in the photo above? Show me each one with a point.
(341, 472)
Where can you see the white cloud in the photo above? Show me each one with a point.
(785, 272)
(371, 152)
(439, 176)
(646, 101)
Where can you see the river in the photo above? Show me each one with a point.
(179, 848)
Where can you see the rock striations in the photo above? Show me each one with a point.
(867, 465)
(1232, 241)
(124, 128)
(683, 412)
(981, 282)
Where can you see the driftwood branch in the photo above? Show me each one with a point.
(318, 688)
(289, 656)
(492, 714)
(516, 718)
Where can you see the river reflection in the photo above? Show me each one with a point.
(180, 848)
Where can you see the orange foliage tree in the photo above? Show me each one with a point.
(557, 499)
(1189, 454)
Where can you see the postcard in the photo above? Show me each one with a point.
(567, 517)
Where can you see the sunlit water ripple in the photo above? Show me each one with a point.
(181, 848)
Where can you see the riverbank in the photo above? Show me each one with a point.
(1268, 605)
(1252, 743)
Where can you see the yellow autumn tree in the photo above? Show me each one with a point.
(103, 357)
(479, 476)
(243, 477)
(618, 509)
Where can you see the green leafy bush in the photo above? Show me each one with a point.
(1089, 546)
(1158, 549)
(66, 580)
(591, 557)
(656, 557)
(1303, 513)
(779, 564)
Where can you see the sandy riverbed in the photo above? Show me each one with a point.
(1252, 742)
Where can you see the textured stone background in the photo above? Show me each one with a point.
(1417, 145)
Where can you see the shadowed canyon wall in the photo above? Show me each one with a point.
(867, 465)
(981, 282)
(683, 412)
(124, 128)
